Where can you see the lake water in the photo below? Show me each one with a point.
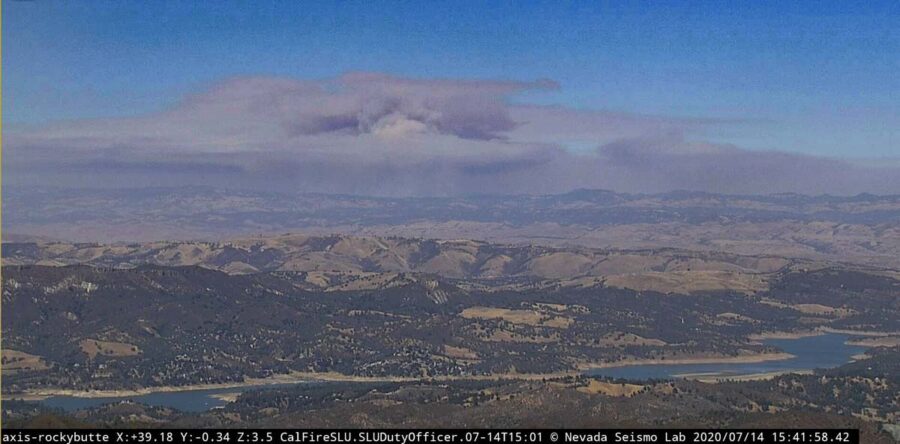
(824, 351)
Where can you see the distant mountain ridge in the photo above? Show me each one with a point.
(334, 258)
(862, 229)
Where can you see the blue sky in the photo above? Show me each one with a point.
(816, 78)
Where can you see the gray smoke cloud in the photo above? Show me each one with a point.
(375, 134)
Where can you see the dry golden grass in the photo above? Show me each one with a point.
(717, 378)
(237, 267)
(358, 247)
(884, 341)
(622, 263)
(14, 360)
(453, 263)
(625, 339)
(365, 281)
(685, 282)
(227, 397)
(544, 307)
(459, 353)
(495, 266)
(819, 309)
(525, 317)
(736, 317)
(596, 387)
(501, 335)
(93, 347)
(560, 265)
(376, 313)
(318, 279)
(813, 309)
(554, 307)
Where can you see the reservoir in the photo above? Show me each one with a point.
(824, 351)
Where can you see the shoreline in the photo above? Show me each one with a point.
(309, 377)
(41, 394)
(747, 359)
(284, 379)
(785, 335)
(867, 333)
(819, 331)
(714, 378)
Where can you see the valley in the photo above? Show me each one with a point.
(112, 323)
